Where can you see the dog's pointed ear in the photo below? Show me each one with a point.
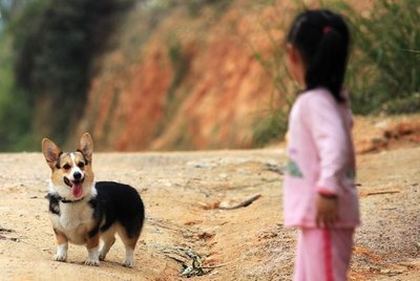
(86, 146)
(51, 152)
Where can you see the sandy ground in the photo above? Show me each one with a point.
(183, 192)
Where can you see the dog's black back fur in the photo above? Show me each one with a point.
(118, 202)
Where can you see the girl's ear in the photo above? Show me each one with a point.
(295, 64)
(293, 54)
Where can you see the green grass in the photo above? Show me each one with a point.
(383, 74)
(385, 67)
(384, 70)
(272, 127)
(273, 124)
(15, 133)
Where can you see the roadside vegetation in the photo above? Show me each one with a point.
(48, 51)
(384, 68)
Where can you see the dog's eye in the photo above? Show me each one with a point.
(66, 167)
(81, 165)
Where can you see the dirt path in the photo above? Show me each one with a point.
(182, 192)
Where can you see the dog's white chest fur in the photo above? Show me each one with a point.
(75, 221)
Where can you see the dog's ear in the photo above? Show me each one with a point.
(86, 146)
(51, 152)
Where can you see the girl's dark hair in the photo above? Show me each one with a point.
(322, 38)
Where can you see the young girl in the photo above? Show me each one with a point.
(319, 190)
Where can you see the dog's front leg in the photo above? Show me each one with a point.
(62, 246)
(92, 245)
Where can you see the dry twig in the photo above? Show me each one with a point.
(381, 192)
(244, 203)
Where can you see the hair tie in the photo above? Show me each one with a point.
(327, 29)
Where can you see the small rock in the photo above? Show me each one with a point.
(223, 176)
(214, 272)
(205, 235)
(200, 165)
(390, 272)
(274, 168)
(382, 125)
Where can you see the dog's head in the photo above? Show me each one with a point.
(71, 172)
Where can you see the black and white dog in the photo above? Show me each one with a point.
(82, 211)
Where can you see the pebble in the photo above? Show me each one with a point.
(223, 176)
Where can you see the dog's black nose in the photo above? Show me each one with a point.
(77, 176)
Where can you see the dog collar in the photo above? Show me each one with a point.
(71, 201)
(63, 200)
(57, 197)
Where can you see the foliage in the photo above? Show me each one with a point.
(272, 127)
(55, 53)
(410, 104)
(195, 6)
(55, 44)
(385, 68)
(48, 49)
(180, 65)
(14, 110)
(9, 9)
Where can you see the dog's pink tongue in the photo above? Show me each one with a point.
(77, 190)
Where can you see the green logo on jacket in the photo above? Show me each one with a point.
(293, 169)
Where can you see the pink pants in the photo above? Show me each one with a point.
(323, 254)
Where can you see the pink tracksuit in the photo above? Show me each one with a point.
(321, 160)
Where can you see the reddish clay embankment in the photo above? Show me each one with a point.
(179, 80)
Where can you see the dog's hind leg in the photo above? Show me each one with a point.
(92, 245)
(108, 238)
(130, 244)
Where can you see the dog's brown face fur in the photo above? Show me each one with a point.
(72, 176)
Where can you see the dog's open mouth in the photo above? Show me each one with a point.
(75, 186)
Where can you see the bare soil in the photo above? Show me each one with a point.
(185, 194)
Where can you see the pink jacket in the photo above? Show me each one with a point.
(321, 159)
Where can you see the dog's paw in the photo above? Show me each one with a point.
(102, 256)
(60, 257)
(128, 263)
(92, 262)
(61, 254)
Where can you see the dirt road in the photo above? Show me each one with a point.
(183, 193)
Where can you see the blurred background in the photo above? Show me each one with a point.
(183, 74)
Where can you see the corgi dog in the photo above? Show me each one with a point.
(83, 211)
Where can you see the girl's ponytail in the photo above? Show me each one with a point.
(322, 38)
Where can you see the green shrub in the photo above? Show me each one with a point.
(386, 63)
(272, 127)
(384, 70)
(55, 44)
(410, 104)
(195, 6)
(15, 127)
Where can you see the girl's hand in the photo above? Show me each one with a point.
(327, 210)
